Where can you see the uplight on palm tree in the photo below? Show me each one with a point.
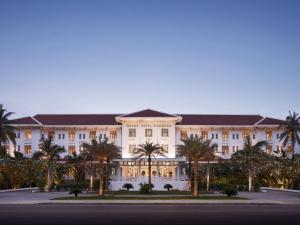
(291, 130)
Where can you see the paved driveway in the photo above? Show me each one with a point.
(270, 195)
(27, 197)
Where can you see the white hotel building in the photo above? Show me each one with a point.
(130, 130)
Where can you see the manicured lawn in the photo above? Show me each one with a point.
(150, 197)
(152, 193)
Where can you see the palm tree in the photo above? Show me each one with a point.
(50, 153)
(209, 155)
(251, 160)
(195, 149)
(99, 151)
(291, 130)
(148, 151)
(6, 131)
(113, 153)
(77, 164)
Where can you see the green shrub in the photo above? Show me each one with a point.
(230, 190)
(146, 188)
(168, 186)
(127, 186)
(41, 183)
(76, 188)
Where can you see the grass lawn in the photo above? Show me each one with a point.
(150, 197)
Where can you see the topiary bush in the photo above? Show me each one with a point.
(168, 186)
(127, 186)
(146, 188)
(230, 190)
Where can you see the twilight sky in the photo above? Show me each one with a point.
(231, 57)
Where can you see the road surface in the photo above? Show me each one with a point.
(143, 214)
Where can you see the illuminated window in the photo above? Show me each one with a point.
(165, 132)
(183, 135)
(290, 149)
(113, 134)
(148, 132)
(28, 135)
(27, 149)
(132, 132)
(204, 134)
(224, 136)
(71, 149)
(269, 135)
(225, 150)
(92, 135)
(131, 149)
(71, 135)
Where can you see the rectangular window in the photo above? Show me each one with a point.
(92, 134)
(100, 136)
(233, 149)
(71, 135)
(131, 149)
(233, 136)
(225, 150)
(253, 137)
(166, 148)
(237, 136)
(83, 136)
(113, 134)
(217, 136)
(224, 136)
(59, 136)
(269, 135)
(28, 135)
(132, 132)
(18, 135)
(204, 135)
(27, 149)
(278, 135)
(183, 134)
(71, 149)
(19, 148)
(148, 132)
(212, 136)
(165, 132)
(63, 136)
(79, 136)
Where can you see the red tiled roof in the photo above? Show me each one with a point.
(271, 121)
(234, 120)
(24, 120)
(77, 119)
(148, 113)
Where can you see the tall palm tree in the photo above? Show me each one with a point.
(77, 164)
(291, 130)
(49, 152)
(209, 149)
(148, 151)
(6, 131)
(99, 151)
(195, 149)
(250, 160)
(113, 152)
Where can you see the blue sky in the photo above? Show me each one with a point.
(231, 57)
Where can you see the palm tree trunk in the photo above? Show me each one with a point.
(249, 182)
(195, 178)
(207, 180)
(101, 184)
(149, 171)
(190, 176)
(49, 179)
(91, 182)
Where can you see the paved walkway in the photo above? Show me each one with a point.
(270, 197)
